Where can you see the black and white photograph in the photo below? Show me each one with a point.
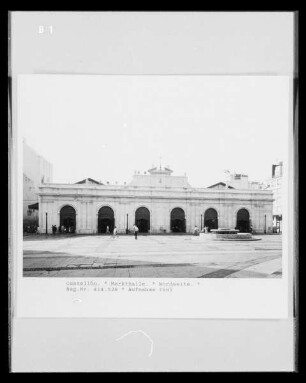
(153, 176)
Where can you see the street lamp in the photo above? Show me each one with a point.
(46, 222)
(127, 224)
(265, 224)
(201, 222)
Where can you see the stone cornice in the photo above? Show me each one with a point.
(216, 199)
(90, 190)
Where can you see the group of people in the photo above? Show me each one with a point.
(31, 229)
(62, 229)
(206, 229)
(196, 230)
(70, 229)
(115, 231)
(54, 229)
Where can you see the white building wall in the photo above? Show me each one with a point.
(35, 170)
(88, 199)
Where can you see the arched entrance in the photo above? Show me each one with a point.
(106, 220)
(177, 220)
(68, 219)
(243, 221)
(142, 219)
(211, 219)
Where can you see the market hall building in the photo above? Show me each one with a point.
(157, 202)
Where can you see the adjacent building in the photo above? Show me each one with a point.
(36, 171)
(275, 184)
(157, 201)
(241, 181)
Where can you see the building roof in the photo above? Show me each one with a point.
(220, 184)
(89, 181)
(160, 170)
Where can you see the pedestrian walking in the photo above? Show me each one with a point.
(115, 232)
(135, 231)
(107, 229)
(196, 230)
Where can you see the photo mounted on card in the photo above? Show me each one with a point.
(153, 196)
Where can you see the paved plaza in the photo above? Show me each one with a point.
(181, 256)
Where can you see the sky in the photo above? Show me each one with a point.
(108, 127)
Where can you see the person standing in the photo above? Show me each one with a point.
(115, 232)
(135, 231)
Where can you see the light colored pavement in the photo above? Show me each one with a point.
(179, 256)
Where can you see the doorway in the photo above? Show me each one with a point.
(243, 221)
(142, 219)
(67, 219)
(211, 219)
(106, 220)
(177, 220)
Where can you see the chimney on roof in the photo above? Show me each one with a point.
(273, 170)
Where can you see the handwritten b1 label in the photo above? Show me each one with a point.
(43, 29)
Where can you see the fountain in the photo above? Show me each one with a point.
(224, 234)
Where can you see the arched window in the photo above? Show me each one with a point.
(142, 219)
(67, 219)
(106, 220)
(177, 220)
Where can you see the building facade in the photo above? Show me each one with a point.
(157, 202)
